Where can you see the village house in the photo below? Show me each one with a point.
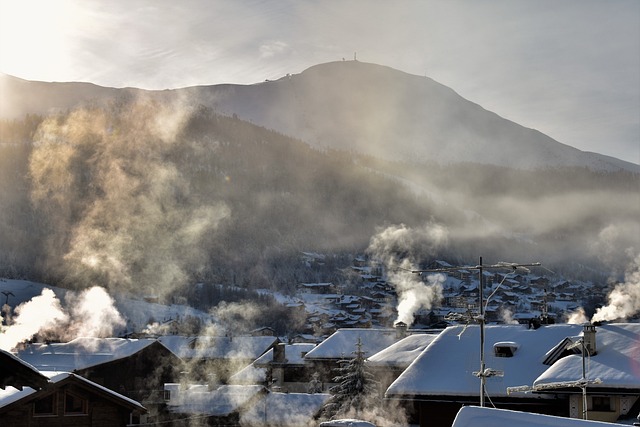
(246, 405)
(17, 373)
(282, 368)
(389, 363)
(613, 366)
(534, 370)
(441, 379)
(325, 358)
(491, 417)
(135, 368)
(213, 360)
(68, 400)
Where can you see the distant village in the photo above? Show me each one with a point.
(510, 297)
(428, 372)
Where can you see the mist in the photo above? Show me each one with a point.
(107, 179)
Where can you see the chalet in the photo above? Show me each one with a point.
(221, 406)
(265, 331)
(613, 353)
(214, 359)
(389, 363)
(490, 417)
(16, 373)
(283, 367)
(441, 380)
(136, 368)
(68, 400)
(325, 358)
(248, 405)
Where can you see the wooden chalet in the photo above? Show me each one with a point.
(68, 400)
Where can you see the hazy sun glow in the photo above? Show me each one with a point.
(33, 35)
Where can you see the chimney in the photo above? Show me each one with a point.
(401, 330)
(589, 338)
(279, 353)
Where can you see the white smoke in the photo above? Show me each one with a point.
(414, 294)
(41, 313)
(507, 317)
(578, 317)
(91, 313)
(624, 299)
(398, 247)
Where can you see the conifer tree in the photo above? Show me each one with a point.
(355, 388)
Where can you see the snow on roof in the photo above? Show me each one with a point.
(293, 353)
(342, 343)
(617, 362)
(16, 372)
(402, 353)
(220, 402)
(11, 394)
(81, 353)
(240, 347)
(346, 422)
(490, 417)
(445, 368)
(251, 374)
(276, 409)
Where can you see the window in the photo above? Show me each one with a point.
(167, 395)
(75, 404)
(45, 406)
(601, 404)
(505, 349)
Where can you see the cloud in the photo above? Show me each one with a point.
(273, 48)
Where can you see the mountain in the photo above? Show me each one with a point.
(149, 190)
(386, 113)
(351, 106)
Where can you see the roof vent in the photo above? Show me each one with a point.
(505, 349)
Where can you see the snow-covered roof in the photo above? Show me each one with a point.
(293, 353)
(240, 347)
(17, 373)
(490, 417)
(276, 409)
(342, 343)
(617, 362)
(402, 353)
(347, 422)
(219, 402)
(81, 353)
(446, 367)
(251, 374)
(11, 394)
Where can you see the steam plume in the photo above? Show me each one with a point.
(578, 317)
(41, 313)
(91, 314)
(399, 247)
(624, 300)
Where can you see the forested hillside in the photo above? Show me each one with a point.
(149, 196)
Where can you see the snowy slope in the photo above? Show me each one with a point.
(379, 111)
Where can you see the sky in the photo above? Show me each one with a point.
(570, 68)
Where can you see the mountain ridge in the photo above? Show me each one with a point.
(347, 105)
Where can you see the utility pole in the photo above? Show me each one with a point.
(483, 373)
